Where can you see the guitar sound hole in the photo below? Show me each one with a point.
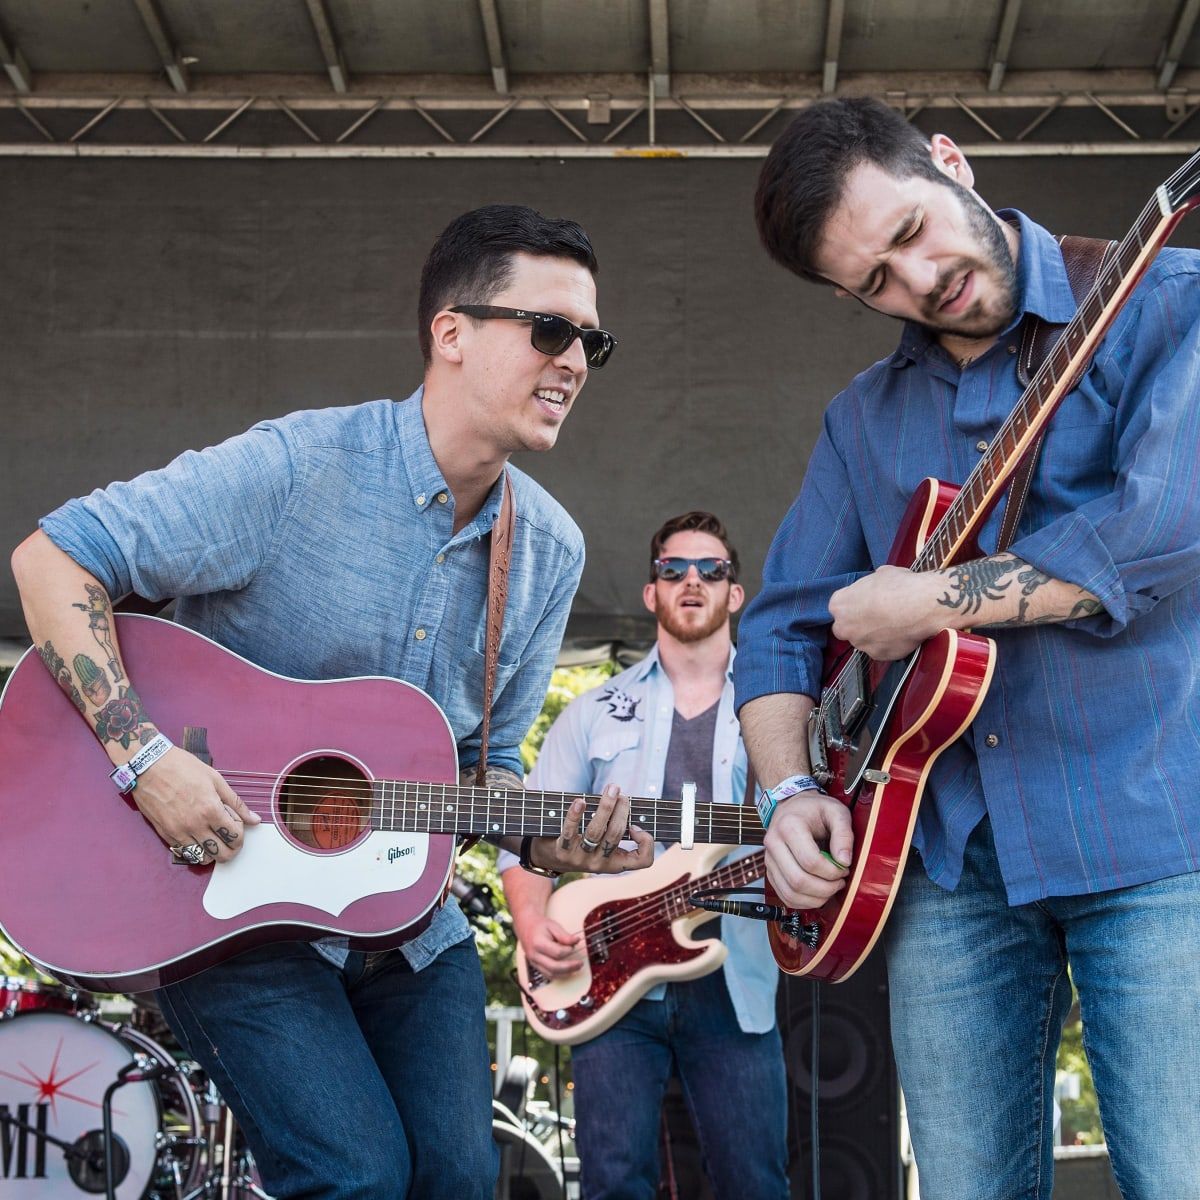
(325, 803)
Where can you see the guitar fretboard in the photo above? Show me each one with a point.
(737, 874)
(485, 811)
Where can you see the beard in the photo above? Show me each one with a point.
(984, 318)
(685, 629)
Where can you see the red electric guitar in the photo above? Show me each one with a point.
(637, 932)
(349, 844)
(880, 726)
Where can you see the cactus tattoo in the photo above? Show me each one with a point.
(92, 679)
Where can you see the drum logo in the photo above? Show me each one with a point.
(17, 1131)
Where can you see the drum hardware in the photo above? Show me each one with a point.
(140, 1070)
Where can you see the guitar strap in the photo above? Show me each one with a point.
(497, 599)
(1083, 258)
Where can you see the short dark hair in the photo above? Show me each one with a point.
(802, 180)
(696, 521)
(472, 260)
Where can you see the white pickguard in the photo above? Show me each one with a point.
(273, 870)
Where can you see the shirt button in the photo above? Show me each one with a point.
(421, 498)
(991, 741)
(419, 635)
(442, 497)
(1012, 349)
(981, 445)
(441, 558)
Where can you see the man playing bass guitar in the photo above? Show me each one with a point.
(667, 721)
(334, 543)
(1063, 827)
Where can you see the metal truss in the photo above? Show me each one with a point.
(718, 123)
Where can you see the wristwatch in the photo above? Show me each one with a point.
(528, 865)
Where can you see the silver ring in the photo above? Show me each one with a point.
(193, 854)
(587, 843)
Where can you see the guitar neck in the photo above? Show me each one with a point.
(484, 811)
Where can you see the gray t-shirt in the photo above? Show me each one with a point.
(690, 754)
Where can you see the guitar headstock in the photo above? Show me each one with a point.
(1182, 190)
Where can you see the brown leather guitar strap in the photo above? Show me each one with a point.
(1083, 258)
(497, 599)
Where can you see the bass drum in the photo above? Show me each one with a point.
(54, 1071)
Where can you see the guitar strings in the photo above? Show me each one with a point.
(650, 907)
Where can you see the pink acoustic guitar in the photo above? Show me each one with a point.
(349, 845)
(879, 727)
(637, 932)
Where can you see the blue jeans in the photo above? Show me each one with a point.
(733, 1083)
(979, 993)
(368, 1081)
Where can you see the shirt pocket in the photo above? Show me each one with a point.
(608, 746)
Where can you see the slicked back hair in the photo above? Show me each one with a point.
(473, 259)
(802, 180)
(696, 521)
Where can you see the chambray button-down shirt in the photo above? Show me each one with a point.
(321, 546)
(1083, 754)
(619, 733)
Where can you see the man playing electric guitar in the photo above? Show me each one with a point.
(333, 543)
(1063, 827)
(667, 721)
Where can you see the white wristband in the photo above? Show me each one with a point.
(125, 778)
(793, 785)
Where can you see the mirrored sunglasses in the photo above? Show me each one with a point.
(548, 332)
(711, 570)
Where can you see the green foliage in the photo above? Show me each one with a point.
(1080, 1118)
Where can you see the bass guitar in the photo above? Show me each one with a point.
(356, 781)
(637, 932)
(879, 727)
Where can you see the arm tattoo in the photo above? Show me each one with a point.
(58, 668)
(494, 777)
(99, 612)
(123, 720)
(975, 582)
(94, 681)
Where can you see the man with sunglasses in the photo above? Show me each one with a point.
(345, 542)
(667, 721)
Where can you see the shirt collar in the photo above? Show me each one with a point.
(1042, 287)
(425, 479)
(651, 663)
(426, 483)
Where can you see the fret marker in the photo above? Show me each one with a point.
(449, 807)
(497, 795)
(552, 813)
(421, 807)
(495, 828)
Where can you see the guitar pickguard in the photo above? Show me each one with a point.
(272, 869)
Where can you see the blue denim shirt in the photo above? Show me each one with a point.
(1083, 752)
(619, 733)
(320, 546)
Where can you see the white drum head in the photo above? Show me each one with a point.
(54, 1070)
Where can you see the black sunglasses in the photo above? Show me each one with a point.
(711, 570)
(548, 332)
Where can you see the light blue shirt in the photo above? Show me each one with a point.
(321, 546)
(619, 733)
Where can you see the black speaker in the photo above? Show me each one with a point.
(858, 1096)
